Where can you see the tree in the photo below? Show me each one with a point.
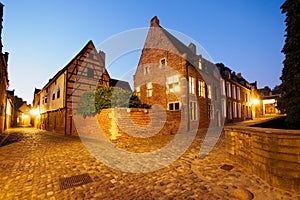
(290, 86)
(93, 101)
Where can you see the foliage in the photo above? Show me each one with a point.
(93, 101)
(290, 86)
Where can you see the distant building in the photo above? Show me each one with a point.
(23, 116)
(242, 98)
(9, 109)
(269, 100)
(3, 77)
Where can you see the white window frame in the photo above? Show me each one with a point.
(149, 89)
(161, 64)
(174, 106)
(233, 91)
(191, 85)
(201, 88)
(209, 91)
(173, 83)
(238, 93)
(228, 85)
(234, 105)
(193, 111)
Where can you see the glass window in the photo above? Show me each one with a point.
(193, 110)
(173, 83)
(209, 91)
(149, 89)
(163, 63)
(192, 85)
(201, 88)
(90, 73)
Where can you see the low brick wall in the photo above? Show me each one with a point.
(124, 123)
(272, 154)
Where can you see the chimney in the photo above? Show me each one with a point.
(192, 47)
(154, 22)
(6, 57)
(102, 56)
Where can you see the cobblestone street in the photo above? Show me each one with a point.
(32, 167)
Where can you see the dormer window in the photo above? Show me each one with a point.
(163, 63)
(200, 64)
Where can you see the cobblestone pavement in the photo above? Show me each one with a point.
(33, 167)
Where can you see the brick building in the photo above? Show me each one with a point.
(3, 77)
(56, 102)
(171, 74)
(240, 96)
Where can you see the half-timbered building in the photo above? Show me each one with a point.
(58, 99)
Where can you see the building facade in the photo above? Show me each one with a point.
(3, 77)
(171, 74)
(55, 104)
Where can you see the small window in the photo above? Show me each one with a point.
(46, 98)
(90, 73)
(137, 92)
(210, 111)
(53, 94)
(193, 110)
(163, 63)
(173, 83)
(209, 92)
(146, 70)
(174, 106)
(149, 89)
(200, 64)
(58, 91)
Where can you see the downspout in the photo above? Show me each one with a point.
(187, 90)
(65, 100)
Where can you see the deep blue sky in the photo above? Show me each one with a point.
(43, 36)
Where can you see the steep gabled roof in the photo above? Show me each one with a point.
(83, 50)
(180, 47)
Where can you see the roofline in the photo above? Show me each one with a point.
(60, 72)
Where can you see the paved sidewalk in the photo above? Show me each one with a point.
(34, 167)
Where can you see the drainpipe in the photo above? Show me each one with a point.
(185, 63)
(65, 100)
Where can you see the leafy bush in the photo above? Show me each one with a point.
(93, 101)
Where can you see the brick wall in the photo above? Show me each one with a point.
(271, 154)
(130, 123)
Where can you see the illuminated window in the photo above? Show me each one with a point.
(209, 91)
(200, 64)
(192, 85)
(137, 91)
(174, 106)
(201, 88)
(163, 63)
(149, 89)
(173, 83)
(193, 110)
